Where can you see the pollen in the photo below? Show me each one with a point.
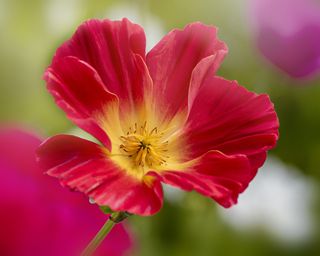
(145, 147)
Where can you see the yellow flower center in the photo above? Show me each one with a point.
(144, 147)
(149, 142)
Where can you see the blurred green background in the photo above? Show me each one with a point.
(189, 224)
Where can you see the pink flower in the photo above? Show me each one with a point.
(288, 34)
(37, 216)
(161, 117)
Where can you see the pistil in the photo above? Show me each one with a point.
(144, 147)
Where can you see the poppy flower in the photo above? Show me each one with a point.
(38, 217)
(161, 117)
(288, 34)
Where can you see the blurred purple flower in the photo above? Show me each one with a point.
(288, 34)
(38, 216)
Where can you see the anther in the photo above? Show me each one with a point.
(145, 148)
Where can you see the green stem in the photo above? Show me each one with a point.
(115, 218)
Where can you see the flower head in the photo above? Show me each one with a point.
(288, 34)
(37, 216)
(161, 117)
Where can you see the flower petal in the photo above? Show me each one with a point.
(85, 166)
(290, 40)
(79, 91)
(17, 148)
(172, 60)
(215, 175)
(226, 117)
(38, 217)
(112, 48)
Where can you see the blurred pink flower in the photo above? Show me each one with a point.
(288, 34)
(38, 216)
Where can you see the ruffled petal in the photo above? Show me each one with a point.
(227, 117)
(79, 91)
(113, 49)
(214, 175)
(172, 60)
(86, 167)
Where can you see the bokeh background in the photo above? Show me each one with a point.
(280, 212)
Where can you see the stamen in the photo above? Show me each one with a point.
(153, 130)
(144, 147)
